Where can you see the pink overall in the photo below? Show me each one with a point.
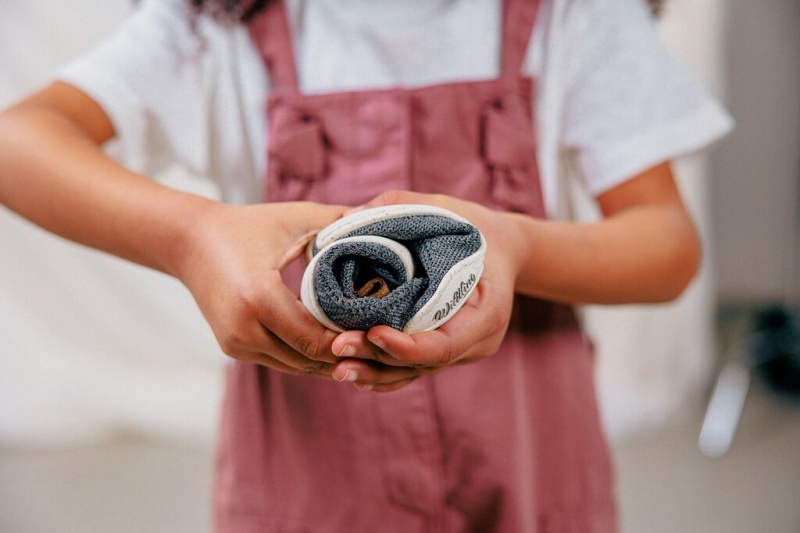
(509, 444)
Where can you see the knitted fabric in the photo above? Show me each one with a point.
(436, 243)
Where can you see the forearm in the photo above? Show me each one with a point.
(53, 173)
(646, 253)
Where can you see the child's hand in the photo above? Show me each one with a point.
(475, 332)
(232, 266)
(645, 249)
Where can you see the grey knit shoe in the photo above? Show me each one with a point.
(410, 267)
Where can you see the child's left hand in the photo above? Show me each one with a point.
(474, 333)
(644, 249)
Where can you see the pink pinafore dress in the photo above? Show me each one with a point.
(510, 444)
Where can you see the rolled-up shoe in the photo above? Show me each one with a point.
(410, 267)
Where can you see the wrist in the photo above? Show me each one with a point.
(517, 244)
(189, 218)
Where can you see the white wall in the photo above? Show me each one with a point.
(757, 171)
(90, 346)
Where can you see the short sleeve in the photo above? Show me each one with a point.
(629, 105)
(149, 78)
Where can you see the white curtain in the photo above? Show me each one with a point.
(90, 346)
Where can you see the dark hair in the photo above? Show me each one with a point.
(235, 10)
(656, 6)
(244, 10)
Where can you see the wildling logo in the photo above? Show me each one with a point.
(460, 293)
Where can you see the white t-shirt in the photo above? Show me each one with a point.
(190, 89)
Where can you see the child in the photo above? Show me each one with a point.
(489, 423)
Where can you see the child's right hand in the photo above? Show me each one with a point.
(228, 256)
(232, 263)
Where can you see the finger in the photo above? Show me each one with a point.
(361, 372)
(393, 386)
(274, 353)
(429, 348)
(285, 317)
(475, 331)
(370, 376)
(397, 349)
(320, 215)
(349, 343)
(355, 344)
(314, 368)
(316, 217)
(399, 384)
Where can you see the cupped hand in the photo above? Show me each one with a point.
(475, 332)
(232, 263)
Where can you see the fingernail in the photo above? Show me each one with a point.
(363, 387)
(347, 351)
(349, 375)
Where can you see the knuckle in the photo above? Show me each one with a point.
(252, 306)
(498, 323)
(235, 340)
(227, 349)
(250, 358)
(453, 354)
(491, 345)
(450, 354)
(315, 368)
(418, 371)
(230, 348)
(307, 346)
(238, 354)
(495, 319)
(383, 357)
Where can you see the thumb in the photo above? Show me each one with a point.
(317, 216)
(314, 218)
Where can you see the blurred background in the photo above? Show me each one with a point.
(110, 380)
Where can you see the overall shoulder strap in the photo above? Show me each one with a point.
(271, 34)
(519, 18)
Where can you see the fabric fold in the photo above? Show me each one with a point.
(425, 261)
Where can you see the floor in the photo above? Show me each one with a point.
(127, 486)
(665, 485)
